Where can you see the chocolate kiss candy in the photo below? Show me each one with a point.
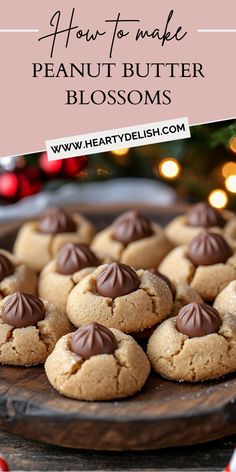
(130, 227)
(22, 309)
(93, 339)
(163, 277)
(117, 279)
(198, 319)
(56, 220)
(203, 214)
(6, 267)
(74, 257)
(208, 249)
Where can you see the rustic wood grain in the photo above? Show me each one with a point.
(164, 414)
(29, 455)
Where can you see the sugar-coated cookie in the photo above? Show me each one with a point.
(29, 329)
(73, 262)
(196, 345)
(182, 229)
(97, 363)
(15, 275)
(133, 240)
(206, 264)
(38, 241)
(117, 296)
(182, 293)
(225, 302)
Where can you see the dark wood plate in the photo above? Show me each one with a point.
(163, 414)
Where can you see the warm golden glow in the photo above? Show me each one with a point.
(230, 183)
(218, 198)
(169, 168)
(102, 172)
(229, 169)
(120, 152)
(232, 144)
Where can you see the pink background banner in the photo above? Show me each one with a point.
(102, 96)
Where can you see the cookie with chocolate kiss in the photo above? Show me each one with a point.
(74, 257)
(208, 249)
(203, 214)
(22, 310)
(196, 346)
(6, 267)
(56, 220)
(119, 297)
(131, 226)
(116, 280)
(163, 277)
(198, 319)
(93, 339)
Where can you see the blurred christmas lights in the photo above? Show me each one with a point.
(229, 169)
(102, 172)
(169, 168)
(120, 152)
(232, 144)
(230, 183)
(218, 198)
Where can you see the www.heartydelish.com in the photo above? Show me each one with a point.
(114, 139)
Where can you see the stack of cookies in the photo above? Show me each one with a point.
(85, 303)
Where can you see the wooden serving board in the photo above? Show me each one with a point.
(163, 414)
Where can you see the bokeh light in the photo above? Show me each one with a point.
(169, 168)
(230, 183)
(232, 144)
(218, 198)
(229, 168)
(120, 152)
(103, 172)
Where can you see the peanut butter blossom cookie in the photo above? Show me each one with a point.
(15, 275)
(39, 241)
(201, 216)
(225, 302)
(118, 296)
(182, 293)
(133, 240)
(194, 346)
(97, 363)
(73, 262)
(207, 264)
(29, 329)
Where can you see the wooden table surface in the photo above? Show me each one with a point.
(28, 455)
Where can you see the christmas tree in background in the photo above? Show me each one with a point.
(202, 167)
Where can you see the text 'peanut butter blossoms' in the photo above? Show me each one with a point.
(203, 214)
(56, 220)
(6, 267)
(93, 339)
(116, 280)
(74, 257)
(22, 310)
(208, 249)
(130, 227)
(198, 319)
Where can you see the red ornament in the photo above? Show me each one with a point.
(3, 465)
(9, 184)
(50, 167)
(74, 165)
(29, 182)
